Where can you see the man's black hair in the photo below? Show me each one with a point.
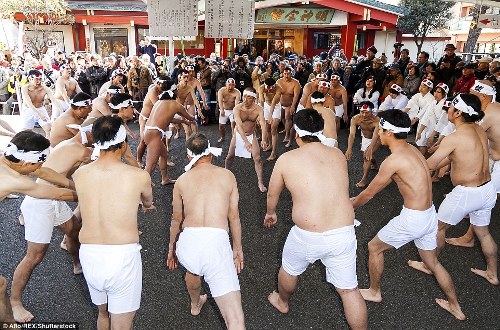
(309, 120)
(397, 118)
(473, 101)
(317, 95)
(28, 141)
(117, 99)
(165, 87)
(105, 129)
(197, 143)
(270, 81)
(80, 97)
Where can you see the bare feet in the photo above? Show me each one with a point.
(63, 244)
(170, 163)
(12, 196)
(262, 188)
(285, 140)
(460, 241)
(196, 309)
(77, 269)
(271, 157)
(21, 219)
(455, 311)
(360, 184)
(493, 279)
(274, 299)
(21, 315)
(419, 265)
(220, 140)
(288, 144)
(369, 295)
(267, 149)
(170, 181)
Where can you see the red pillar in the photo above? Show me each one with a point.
(209, 46)
(80, 30)
(348, 37)
(306, 45)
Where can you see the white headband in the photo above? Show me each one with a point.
(321, 100)
(113, 91)
(121, 135)
(459, 104)
(170, 92)
(209, 150)
(302, 133)
(26, 156)
(479, 87)
(124, 104)
(252, 94)
(82, 103)
(388, 126)
(83, 130)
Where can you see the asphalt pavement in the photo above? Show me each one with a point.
(54, 294)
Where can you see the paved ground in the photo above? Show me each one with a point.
(54, 294)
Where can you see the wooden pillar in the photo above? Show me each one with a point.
(348, 37)
(209, 46)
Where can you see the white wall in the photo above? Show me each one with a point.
(8, 34)
(383, 42)
(67, 31)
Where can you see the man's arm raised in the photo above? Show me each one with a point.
(276, 185)
(381, 180)
(235, 226)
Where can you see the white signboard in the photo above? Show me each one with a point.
(229, 19)
(489, 21)
(168, 18)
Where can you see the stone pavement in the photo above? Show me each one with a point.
(55, 295)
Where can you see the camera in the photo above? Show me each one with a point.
(398, 45)
(136, 80)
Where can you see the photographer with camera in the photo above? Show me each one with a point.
(394, 76)
(242, 75)
(404, 60)
(367, 62)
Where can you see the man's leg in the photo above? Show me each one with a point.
(165, 179)
(231, 310)
(354, 308)
(337, 124)
(193, 285)
(5, 308)
(122, 321)
(376, 249)
(71, 232)
(34, 255)
(366, 169)
(286, 287)
(274, 138)
(103, 317)
(230, 153)
(489, 248)
(441, 234)
(152, 153)
(445, 282)
(288, 126)
(466, 240)
(258, 164)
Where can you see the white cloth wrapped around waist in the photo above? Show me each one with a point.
(164, 134)
(240, 149)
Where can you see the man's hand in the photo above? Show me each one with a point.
(345, 117)
(172, 262)
(430, 140)
(205, 106)
(369, 153)
(348, 154)
(270, 220)
(417, 137)
(222, 113)
(263, 144)
(292, 110)
(238, 259)
(149, 208)
(248, 146)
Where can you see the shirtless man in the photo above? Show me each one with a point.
(147, 106)
(474, 193)
(290, 92)
(310, 88)
(318, 100)
(100, 105)
(330, 232)
(196, 86)
(81, 106)
(156, 130)
(367, 123)
(490, 123)
(66, 87)
(244, 142)
(110, 252)
(204, 233)
(323, 88)
(417, 221)
(186, 97)
(116, 80)
(227, 97)
(339, 94)
(33, 110)
(42, 215)
(270, 95)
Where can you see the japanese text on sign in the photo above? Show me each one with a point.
(229, 19)
(169, 18)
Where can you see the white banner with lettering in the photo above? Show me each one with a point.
(229, 19)
(168, 18)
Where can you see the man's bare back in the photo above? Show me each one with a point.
(491, 124)
(100, 107)
(164, 111)
(316, 187)
(149, 101)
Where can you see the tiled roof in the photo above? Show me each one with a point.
(123, 5)
(382, 6)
